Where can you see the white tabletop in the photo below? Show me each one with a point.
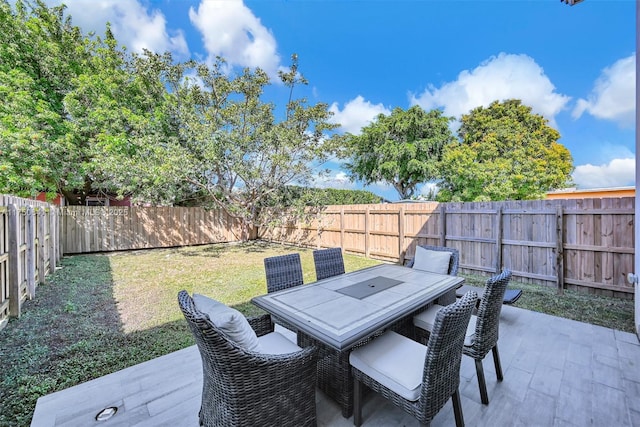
(339, 320)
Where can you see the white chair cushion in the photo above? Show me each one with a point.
(432, 261)
(288, 333)
(394, 361)
(427, 318)
(276, 343)
(230, 321)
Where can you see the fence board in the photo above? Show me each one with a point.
(99, 229)
(574, 243)
(29, 250)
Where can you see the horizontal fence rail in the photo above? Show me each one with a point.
(29, 250)
(583, 243)
(115, 228)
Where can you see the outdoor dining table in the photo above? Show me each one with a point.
(341, 312)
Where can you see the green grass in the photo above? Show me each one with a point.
(102, 313)
(613, 313)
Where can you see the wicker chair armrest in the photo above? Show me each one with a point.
(262, 325)
(269, 370)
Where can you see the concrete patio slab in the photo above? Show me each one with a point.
(557, 372)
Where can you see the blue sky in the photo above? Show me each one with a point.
(575, 65)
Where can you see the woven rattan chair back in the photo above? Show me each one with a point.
(242, 388)
(328, 262)
(283, 271)
(488, 323)
(441, 376)
(454, 262)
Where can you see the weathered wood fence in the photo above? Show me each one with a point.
(585, 243)
(29, 250)
(97, 228)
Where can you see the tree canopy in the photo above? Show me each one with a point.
(402, 149)
(78, 113)
(40, 53)
(505, 152)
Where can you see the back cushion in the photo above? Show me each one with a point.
(230, 321)
(432, 261)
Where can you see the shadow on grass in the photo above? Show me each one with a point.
(71, 333)
(218, 249)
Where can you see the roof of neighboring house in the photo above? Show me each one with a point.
(578, 193)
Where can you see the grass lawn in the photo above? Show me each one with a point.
(101, 313)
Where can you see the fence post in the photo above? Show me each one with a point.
(14, 272)
(401, 251)
(40, 261)
(499, 239)
(560, 249)
(31, 244)
(443, 225)
(342, 227)
(366, 232)
(53, 239)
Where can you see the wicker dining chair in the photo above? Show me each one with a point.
(487, 329)
(283, 271)
(244, 388)
(419, 379)
(454, 262)
(483, 331)
(328, 262)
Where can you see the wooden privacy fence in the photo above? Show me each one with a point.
(29, 250)
(584, 243)
(98, 228)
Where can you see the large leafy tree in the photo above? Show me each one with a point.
(40, 53)
(117, 101)
(402, 149)
(505, 152)
(217, 138)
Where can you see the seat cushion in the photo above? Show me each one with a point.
(287, 333)
(230, 321)
(432, 261)
(394, 361)
(427, 319)
(276, 343)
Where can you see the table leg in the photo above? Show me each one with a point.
(333, 373)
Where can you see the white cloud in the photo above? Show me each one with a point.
(428, 187)
(356, 114)
(230, 29)
(613, 96)
(616, 173)
(500, 77)
(334, 179)
(133, 24)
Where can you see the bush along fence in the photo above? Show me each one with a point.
(584, 243)
(29, 250)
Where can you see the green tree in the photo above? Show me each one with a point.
(115, 104)
(402, 149)
(505, 152)
(40, 54)
(221, 141)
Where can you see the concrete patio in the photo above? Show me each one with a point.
(558, 372)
